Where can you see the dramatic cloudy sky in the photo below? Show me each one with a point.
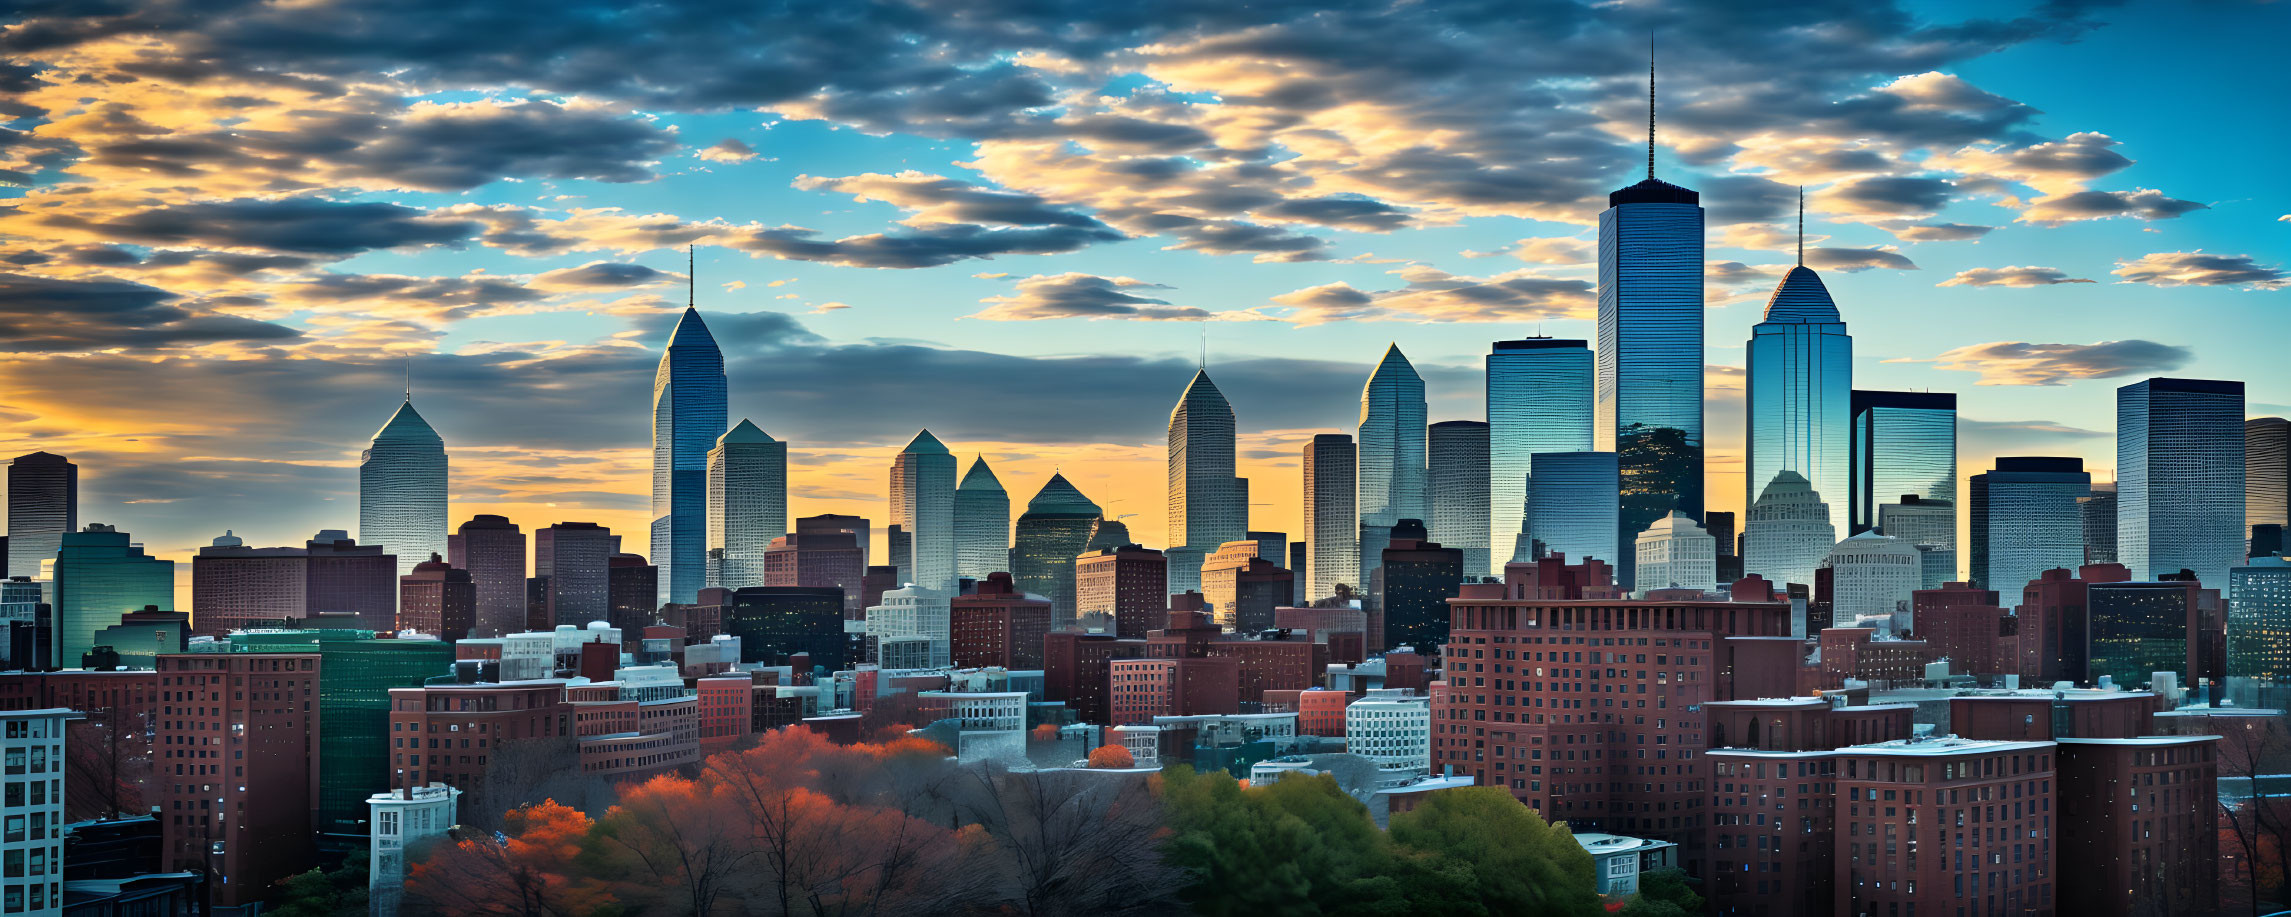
(232, 226)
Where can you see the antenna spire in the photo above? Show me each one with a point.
(691, 276)
(409, 382)
(1204, 346)
(1650, 104)
(1801, 226)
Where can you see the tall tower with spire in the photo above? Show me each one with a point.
(923, 506)
(1799, 413)
(982, 523)
(1390, 483)
(1208, 503)
(688, 414)
(1647, 397)
(747, 504)
(402, 489)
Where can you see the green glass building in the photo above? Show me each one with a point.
(355, 674)
(99, 575)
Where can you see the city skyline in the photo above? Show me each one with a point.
(585, 318)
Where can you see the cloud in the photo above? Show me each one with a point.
(47, 314)
(2031, 276)
(2144, 203)
(1885, 197)
(1076, 295)
(301, 225)
(937, 199)
(2172, 269)
(2020, 363)
(2053, 167)
(1433, 295)
(602, 275)
(1936, 232)
(1566, 250)
(1855, 260)
(729, 149)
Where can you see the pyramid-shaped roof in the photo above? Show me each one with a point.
(979, 477)
(1059, 495)
(745, 432)
(925, 444)
(1801, 297)
(691, 331)
(407, 426)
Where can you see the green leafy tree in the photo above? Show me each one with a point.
(1664, 893)
(320, 893)
(1518, 863)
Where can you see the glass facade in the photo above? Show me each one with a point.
(2179, 477)
(2138, 629)
(1648, 394)
(2026, 520)
(1800, 383)
(982, 523)
(1391, 480)
(43, 505)
(1058, 525)
(1538, 400)
(97, 576)
(1208, 504)
(688, 414)
(747, 504)
(2259, 619)
(402, 490)
(1571, 505)
(1924, 523)
(775, 622)
(2099, 512)
(355, 675)
(923, 507)
(2266, 472)
(1459, 473)
(1332, 538)
(1903, 443)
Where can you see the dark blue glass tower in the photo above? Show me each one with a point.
(688, 414)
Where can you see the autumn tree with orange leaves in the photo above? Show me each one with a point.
(527, 870)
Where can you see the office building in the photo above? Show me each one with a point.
(1208, 502)
(1055, 529)
(923, 508)
(1001, 626)
(858, 527)
(1391, 481)
(436, 599)
(1419, 577)
(1924, 521)
(356, 670)
(1459, 491)
(775, 623)
(43, 507)
(2259, 619)
(351, 584)
(1121, 590)
(2140, 628)
(688, 414)
(1393, 730)
(1538, 400)
(402, 489)
(1788, 532)
(2025, 519)
(2098, 515)
(632, 592)
(1800, 381)
(1571, 505)
(982, 523)
(238, 801)
(96, 576)
(1675, 553)
(747, 504)
(1903, 443)
(1242, 588)
(34, 883)
(235, 586)
(1332, 536)
(2055, 622)
(914, 613)
(492, 549)
(818, 558)
(2179, 477)
(2266, 472)
(1872, 577)
(576, 560)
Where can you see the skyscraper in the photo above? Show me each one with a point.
(923, 506)
(492, 549)
(350, 584)
(1788, 532)
(1903, 443)
(1538, 400)
(747, 503)
(688, 414)
(575, 558)
(2259, 619)
(96, 576)
(1208, 504)
(982, 523)
(2179, 478)
(2266, 472)
(43, 505)
(2025, 520)
(1571, 505)
(1459, 481)
(1391, 481)
(1924, 523)
(1648, 401)
(402, 489)
(1055, 529)
(1332, 540)
(1800, 382)
(2098, 514)
(1420, 575)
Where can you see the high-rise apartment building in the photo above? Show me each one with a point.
(43, 506)
(632, 593)
(2179, 477)
(235, 586)
(923, 507)
(1800, 383)
(576, 560)
(1122, 590)
(1459, 488)
(818, 558)
(2025, 519)
(402, 489)
(1903, 443)
(1788, 532)
(492, 549)
(747, 504)
(96, 576)
(438, 599)
(1538, 400)
(1332, 539)
(1055, 529)
(688, 414)
(237, 794)
(982, 523)
(1000, 625)
(1420, 576)
(1208, 501)
(1391, 483)
(1572, 502)
(2259, 619)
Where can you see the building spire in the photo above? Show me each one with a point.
(1801, 226)
(691, 276)
(1650, 104)
(409, 384)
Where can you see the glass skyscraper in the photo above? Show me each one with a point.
(1648, 399)
(982, 523)
(688, 414)
(1800, 384)
(1057, 526)
(1538, 400)
(2259, 619)
(43, 505)
(1332, 536)
(2026, 520)
(1571, 502)
(923, 506)
(747, 504)
(1459, 476)
(2266, 472)
(402, 489)
(2179, 478)
(96, 576)
(1391, 480)
(1903, 443)
(355, 675)
(1208, 503)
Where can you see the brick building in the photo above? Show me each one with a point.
(998, 626)
(1077, 666)
(2056, 621)
(1126, 585)
(235, 767)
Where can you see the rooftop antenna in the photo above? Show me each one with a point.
(1204, 346)
(409, 384)
(691, 276)
(1801, 226)
(1650, 103)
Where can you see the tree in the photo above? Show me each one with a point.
(1300, 846)
(1664, 893)
(522, 770)
(319, 893)
(108, 762)
(1112, 757)
(670, 844)
(525, 870)
(1069, 843)
(1520, 863)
